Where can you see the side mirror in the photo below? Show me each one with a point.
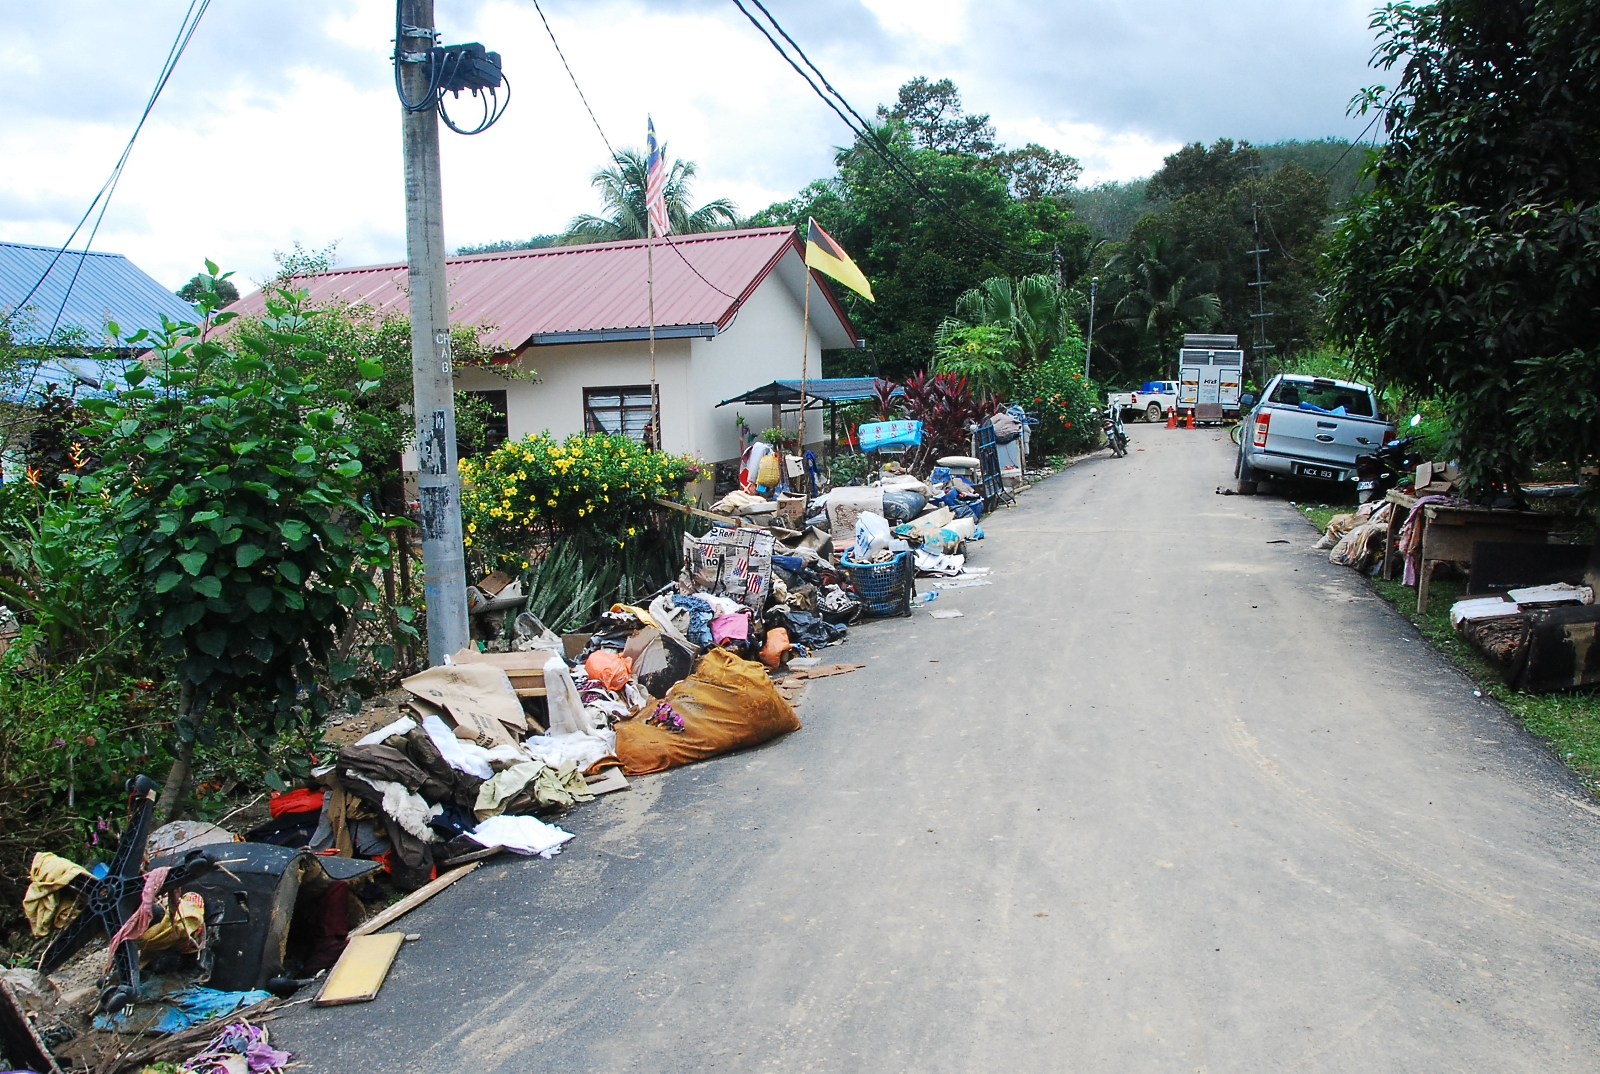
(1247, 400)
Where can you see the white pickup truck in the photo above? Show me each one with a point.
(1152, 400)
(1308, 427)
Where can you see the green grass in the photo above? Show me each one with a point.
(1321, 514)
(1568, 723)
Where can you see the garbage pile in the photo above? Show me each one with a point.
(193, 931)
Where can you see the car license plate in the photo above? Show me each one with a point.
(1363, 486)
(1323, 473)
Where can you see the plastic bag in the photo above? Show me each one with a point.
(777, 644)
(608, 669)
(561, 695)
(903, 505)
(872, 535)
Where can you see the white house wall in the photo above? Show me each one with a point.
(762, 344)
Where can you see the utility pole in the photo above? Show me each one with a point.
(433, 385)
(1088, 347)
(1260, 346)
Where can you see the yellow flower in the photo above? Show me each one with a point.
(472, 527)
(467, 542)
(631, 531)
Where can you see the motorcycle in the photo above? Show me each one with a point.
(1382, 470)
(1116, 435)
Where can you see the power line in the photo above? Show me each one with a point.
(191, 22)
(865, 131)
(602, 132)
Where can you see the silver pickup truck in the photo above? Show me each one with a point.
(1308, 427)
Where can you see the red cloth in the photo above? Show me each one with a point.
(299, 800)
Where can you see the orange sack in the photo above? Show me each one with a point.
(608, 669)
(727, 704)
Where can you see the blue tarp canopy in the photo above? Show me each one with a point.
(821, 390)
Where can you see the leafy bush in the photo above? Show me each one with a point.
(946, 406)
(593, 486)
(985, 354)
(234, 500)
(1057, 393)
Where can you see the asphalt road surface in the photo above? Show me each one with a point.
(1174, 794)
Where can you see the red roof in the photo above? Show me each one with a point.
(563, 294)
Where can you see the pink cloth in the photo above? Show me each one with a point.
(1411, 535)
(733, 627)
(134, 926)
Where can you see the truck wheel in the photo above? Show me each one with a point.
(1249, 477)
(1152, 413)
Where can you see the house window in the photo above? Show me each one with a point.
(481, 423)
(623, 410)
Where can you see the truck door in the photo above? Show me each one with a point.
(1189, 385)
(1228, 387)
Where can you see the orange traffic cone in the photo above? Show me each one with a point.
(1172, 417)
(1191, 419)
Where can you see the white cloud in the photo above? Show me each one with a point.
(281, 123)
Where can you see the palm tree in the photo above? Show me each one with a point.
(1034, 309)
(1167, 290)
(621, 188)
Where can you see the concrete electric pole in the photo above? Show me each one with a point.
(433, 384)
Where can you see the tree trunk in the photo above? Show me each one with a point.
(182, 765)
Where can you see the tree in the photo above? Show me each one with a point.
(234, 504)
(922, 253)
(191, 291)
(1164, 293)
(932, 113)
(1034, 173)
(1035, 310)
(1470, 271)
(1194, 169)
(303, 262)
(984, 354)
(622, 189)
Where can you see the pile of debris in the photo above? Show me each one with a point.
(194, 931)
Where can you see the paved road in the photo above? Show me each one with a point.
(1175, 795)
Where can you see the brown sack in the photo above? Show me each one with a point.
(727, 704)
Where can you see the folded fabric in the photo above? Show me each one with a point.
(44, 904)
(411, 811)
(463, 756)
(522, 835)
(398, 727)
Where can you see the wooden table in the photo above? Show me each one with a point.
(1449, 533)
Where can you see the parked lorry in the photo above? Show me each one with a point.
(1309, 427)
(1153, 399)
(1210, 374)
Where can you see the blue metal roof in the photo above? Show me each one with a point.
(109, 287)
(818, 390)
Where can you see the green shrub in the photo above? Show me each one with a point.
(1057, 393)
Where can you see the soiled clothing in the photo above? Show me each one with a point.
(382, 762)
(47, 903)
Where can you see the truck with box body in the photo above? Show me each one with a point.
(1210, 377)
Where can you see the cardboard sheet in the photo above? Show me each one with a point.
(360, 971)
(477, 697)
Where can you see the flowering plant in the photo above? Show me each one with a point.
(591, 485)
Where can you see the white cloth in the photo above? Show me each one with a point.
(581, 749)
(399, 727)
(524, 835)
(410, 811)
(463, 756)
(930, 563)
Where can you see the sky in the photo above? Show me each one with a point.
(281, 125)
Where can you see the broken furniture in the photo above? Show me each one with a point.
(1537, 648)
(250, 899)
(111, 902)
(1449, 533)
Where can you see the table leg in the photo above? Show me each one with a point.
(1422, 586)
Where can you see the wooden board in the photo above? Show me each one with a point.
(412, 901)
(361, 970)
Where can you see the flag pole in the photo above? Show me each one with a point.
(805, 360)
(650, 286)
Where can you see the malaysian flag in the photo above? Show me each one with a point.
(655, 187)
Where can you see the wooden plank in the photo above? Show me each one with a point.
(412, 901)
(361, 969)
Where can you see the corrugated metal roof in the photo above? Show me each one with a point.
(566, 294)
(109, 287)
(818, 390)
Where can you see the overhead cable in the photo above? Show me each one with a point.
(102, 199)
(602, 132)
(865, 131)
